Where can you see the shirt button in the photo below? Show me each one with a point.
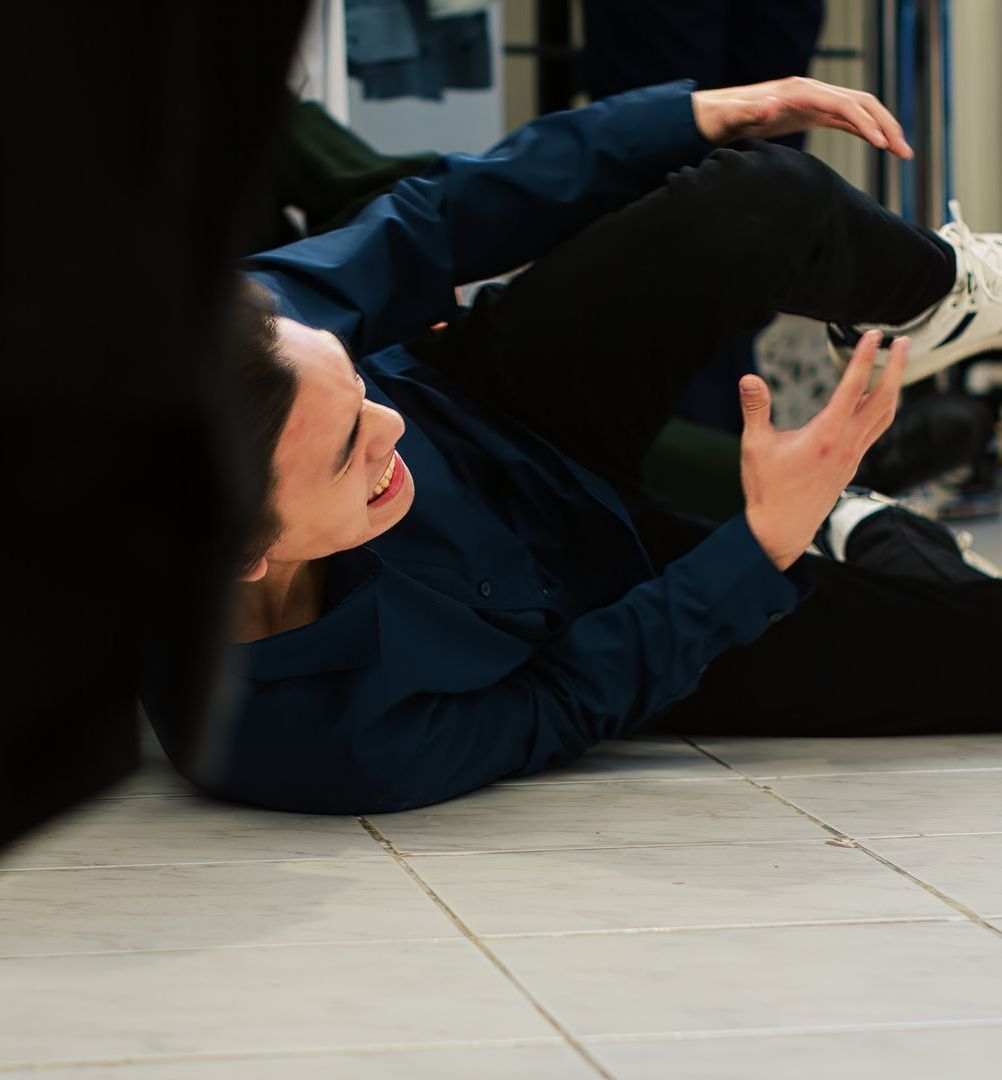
(485, 588)
(547, 593)
(775, 616)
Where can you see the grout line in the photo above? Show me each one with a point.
(241, 946)
(704, 927)
(362, 943)
(957, 905)
(877, 772)
(806, 1029)
(848, 841)
(618, 780)
(147, 795)
(599, 847)
(927, 835)
(359, 856)
(570, 1039)
(598, 779)
(365, 856)
(279, 1054)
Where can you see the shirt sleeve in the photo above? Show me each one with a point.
(614, 669)
(391, 272)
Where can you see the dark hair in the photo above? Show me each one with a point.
(264, 388)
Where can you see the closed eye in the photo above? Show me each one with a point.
(347, 454)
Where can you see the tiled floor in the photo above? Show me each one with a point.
(716, 909)
(707, 909)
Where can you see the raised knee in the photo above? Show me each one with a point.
(764, 174)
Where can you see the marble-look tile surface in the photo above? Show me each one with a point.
(808, 757)
(987, 536)
(596, 815)
(156, 776)
(221, 904)
(968, 868)
(889, 804)
(915, 1053)
(458, 1062)
(655, 758)
(706, 980)
(727, 884)
(256, 1000)
(113, 832)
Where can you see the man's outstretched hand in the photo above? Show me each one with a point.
(792, 479)
(783, 106)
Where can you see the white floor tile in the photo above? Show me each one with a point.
(596, 815)
(256, 1000)
(552, 891)
(967, 1053)
(896, 803)
(987, 535)
(556, 1062)
(114, 832)
(802, 756)
(968, 868)
(715, 980)
(225, 904)
(656, 758)
(156, 777)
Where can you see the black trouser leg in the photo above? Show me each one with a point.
(592, 345)
(868, 654)
(902, 639)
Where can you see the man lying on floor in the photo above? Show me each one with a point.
(459, 578)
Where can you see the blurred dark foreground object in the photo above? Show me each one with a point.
(133, 137)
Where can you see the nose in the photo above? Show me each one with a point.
(386, 426)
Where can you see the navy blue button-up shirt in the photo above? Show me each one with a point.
(512, 620)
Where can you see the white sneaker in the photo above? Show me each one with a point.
(975, 560)
(856, 504)
(967, 321)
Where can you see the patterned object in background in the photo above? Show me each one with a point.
(792, 358)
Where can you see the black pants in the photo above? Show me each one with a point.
(592, 346)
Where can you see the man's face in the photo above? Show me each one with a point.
(340, 481)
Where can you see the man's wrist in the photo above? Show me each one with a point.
(776, 548)
(710, 116)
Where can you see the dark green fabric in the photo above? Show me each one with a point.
(327, 172)
(697, 469)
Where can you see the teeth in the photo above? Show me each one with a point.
(384, 480)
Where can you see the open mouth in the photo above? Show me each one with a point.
(389, 483)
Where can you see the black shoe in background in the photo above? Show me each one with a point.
(931, 435)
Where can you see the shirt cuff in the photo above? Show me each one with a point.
(744, 591)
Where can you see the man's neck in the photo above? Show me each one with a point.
(287, 597)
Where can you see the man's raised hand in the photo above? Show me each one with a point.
(782, 106)
(792, 479)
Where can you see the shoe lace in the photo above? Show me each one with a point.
(979, 257)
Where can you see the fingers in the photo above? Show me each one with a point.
(888, 123)
(856, 379)
(855, 111)
(756, 403)
(877, 411)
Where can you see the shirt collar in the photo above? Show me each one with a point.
(345, 636)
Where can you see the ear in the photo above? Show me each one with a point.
(256, 572)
